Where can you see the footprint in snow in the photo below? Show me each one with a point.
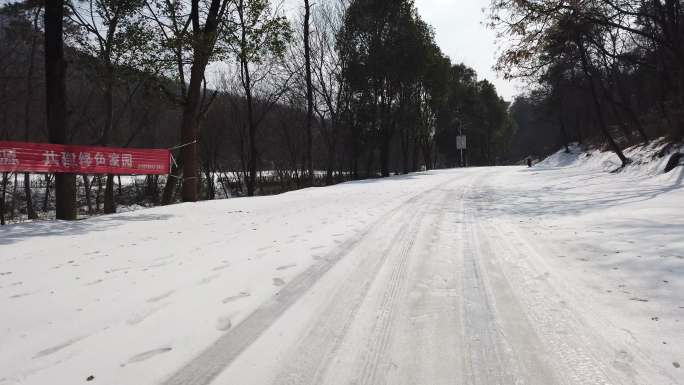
(56, 348)
(221, 267)
(232, 298)
(143, 315)
(148, 354)
(154, 266)
(542, 277)
(278, 282)
(223, 324)
(208, 279)
(20, 295)
(160, 297)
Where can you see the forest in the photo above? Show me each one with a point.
(604, 73)
(255, 100)
(252, 100)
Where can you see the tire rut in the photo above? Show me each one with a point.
(206, 366)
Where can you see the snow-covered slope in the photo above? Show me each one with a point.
(560, 273)
(646, 161)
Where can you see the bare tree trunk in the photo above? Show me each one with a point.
(14, 198)
(627, 106)
(564, 134)
(330, 165)
(189, 131)
(86, 187)
(355, 150)
(384, 156)
(55, 79)
(2, 199)
(578, 129)
(203, 45)
(46, 198)
(98, 194)
(597, 107)
(427, 155)
(414, 158)
(109, 202)
(171, 182)
(211, 189)
(30, 211)
(152, 188)
(247, 85)
(309, 93)
(369, 163)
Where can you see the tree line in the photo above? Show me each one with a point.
(610, 72)
(253, 102)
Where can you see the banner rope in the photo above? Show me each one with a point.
(183, 145)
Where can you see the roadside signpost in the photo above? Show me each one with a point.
(461, 145)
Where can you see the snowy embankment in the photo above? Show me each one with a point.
(560, 273)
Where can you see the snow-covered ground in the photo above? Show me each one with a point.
(563, 273)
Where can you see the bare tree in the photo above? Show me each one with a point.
(113, 33)
(258, 43)
(309, 91)
(330, 93)
(192, 38)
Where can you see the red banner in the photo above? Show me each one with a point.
(49, 158)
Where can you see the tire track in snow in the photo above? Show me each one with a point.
(486, 361)
(565, 337)
(382, 329)
(587, 357)
(366, 355)
(213, 360)
(565, 347)
(310, 359)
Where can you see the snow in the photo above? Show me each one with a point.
(559, 273)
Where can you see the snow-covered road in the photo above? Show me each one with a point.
(550, 275)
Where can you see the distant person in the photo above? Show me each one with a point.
(529, 162)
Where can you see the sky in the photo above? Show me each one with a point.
(461, 34)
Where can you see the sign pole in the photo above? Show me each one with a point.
(461, 145)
